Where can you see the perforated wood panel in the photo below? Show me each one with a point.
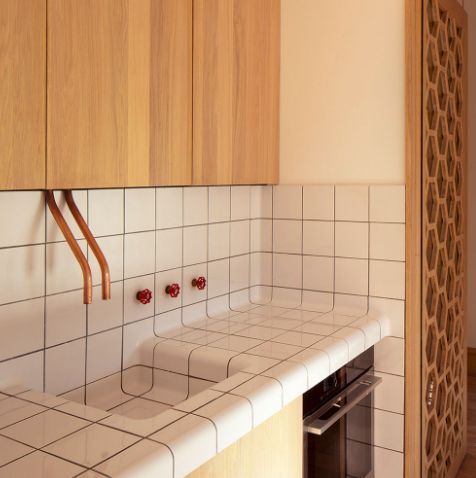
(444, 159)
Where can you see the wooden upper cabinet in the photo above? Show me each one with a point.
(22, 93)
(119, 93)
(236, 91)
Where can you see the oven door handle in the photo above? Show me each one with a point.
(340, 405)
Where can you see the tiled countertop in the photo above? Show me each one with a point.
(256, 362)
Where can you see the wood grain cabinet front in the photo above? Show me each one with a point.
(119, 93)
(236, 63)
(22, 93)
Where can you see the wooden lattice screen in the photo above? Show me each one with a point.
(444, 217)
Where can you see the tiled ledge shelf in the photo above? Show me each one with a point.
(201, 388)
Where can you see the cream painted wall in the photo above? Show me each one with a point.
(342, 91)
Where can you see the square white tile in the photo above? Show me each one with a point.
(146, 459)
(163, 301)
(265, 395)
(113, 249)
(287, 236)
(63, 272)
(218, 241)
(261, 269)
(53, 232)
(240, 202)
(388, 430)
(139, 254)
(388, 463)
(104, 354)
(106, 211)
(219, 203)
(45, 466)
(387, 203)
(92, 445)
(192, 440)
(318, 238)
(64, 366)
(26, 370)
(352, 239)
(21, 328)
(232, 417)
(195, 205)
(26, 210)
(136, 336)
(318, 202)
(191, 293)
(287, 202)
(261, 201)
(387, 279)
(168, 208)
(387, 241)
(26, 273)
(11, 450)
(194, 245)
(44, 428)
(352, 203)
(351, 276)
(261, 235)
(394, 310)
(239, 237)
(390, 356)
(239, 272)
(65, 317)
(133, 309)
(318, 273)
(218, 278)
(168, 249)
(139, 209)
(287, 271)
(390, 394)
(105, 314)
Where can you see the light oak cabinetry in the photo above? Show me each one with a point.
(107, 93)
(236, 91)
(119, 93)
(23, 93)
(272, 450)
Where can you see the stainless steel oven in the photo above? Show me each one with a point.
(338, 422)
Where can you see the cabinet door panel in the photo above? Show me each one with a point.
(119, 93)
(236, 91)
(23, 93)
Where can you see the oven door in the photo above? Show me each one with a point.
(338, 436)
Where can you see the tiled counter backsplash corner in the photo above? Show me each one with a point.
(336, 247)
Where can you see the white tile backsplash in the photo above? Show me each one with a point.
(24, 224)
(344, 245)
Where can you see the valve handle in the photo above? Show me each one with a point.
(199, 282)
(144, 296)
(173, 290)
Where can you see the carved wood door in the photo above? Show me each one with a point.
(444, 237)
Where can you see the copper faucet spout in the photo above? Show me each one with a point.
(78, 253)
(106, 276)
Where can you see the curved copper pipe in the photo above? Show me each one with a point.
(78, 253)
(106, 276)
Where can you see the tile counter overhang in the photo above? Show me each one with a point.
(270, 354)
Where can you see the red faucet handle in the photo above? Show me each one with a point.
(173, 290)
(199, 282)
(144, 296)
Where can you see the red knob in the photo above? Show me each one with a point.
(173, 290)
(144, 296)
(199, 282)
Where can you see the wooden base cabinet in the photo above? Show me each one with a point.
(22, 93)
(272, 450)
(119, 93)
